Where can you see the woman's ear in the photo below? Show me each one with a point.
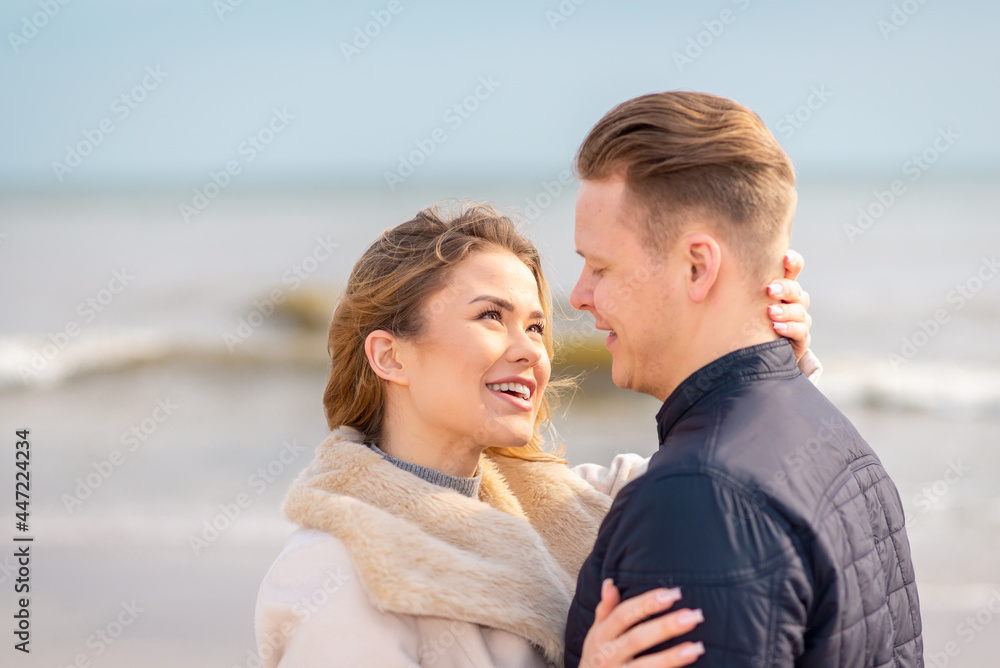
(703, 256)
(384, 353)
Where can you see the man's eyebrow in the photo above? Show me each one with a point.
(507, 305)
(593, 256)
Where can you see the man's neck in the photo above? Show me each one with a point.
(716, 336)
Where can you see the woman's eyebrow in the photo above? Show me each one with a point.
(507, 305)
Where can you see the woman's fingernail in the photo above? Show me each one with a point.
(774, 310)
(775, 289)
(691, 617)
(781, 327)
(691, 651)
(669, 595)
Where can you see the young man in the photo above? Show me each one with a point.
(763, 504)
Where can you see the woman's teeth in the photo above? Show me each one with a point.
(516, 388)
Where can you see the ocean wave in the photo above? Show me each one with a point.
(44, 362)
(40, 362)
(946, 388)
(943, 388)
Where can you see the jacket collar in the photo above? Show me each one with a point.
(774, 359)
(506, 560)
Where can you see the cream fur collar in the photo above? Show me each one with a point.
(507, 560)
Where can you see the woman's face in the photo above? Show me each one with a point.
(479, 367)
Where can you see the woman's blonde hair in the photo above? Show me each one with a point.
(390, 288)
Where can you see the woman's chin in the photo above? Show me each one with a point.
(503, 431)
(512, 439)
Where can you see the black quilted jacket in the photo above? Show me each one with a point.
(772, 514)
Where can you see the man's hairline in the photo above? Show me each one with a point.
(685, 219)
(631, 206)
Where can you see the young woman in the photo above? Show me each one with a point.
(435, 529)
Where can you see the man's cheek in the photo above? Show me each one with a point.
(605, 302)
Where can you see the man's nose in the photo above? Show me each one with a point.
(582, 296)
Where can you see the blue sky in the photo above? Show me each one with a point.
(884, 95)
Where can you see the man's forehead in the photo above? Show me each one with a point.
(597, 229)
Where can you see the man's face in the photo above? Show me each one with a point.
(627, 287)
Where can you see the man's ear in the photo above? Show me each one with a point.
(702, 256)
(384, 353)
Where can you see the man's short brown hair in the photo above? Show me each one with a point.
(684, 153)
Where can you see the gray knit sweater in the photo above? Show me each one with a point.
(466, 486)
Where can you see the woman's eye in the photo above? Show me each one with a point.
(491, 314)
(538, 328)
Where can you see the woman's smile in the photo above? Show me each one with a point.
(515, 391)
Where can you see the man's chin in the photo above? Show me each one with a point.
(627, 381)
(620, 377)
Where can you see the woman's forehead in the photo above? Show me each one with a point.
(498, 274)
